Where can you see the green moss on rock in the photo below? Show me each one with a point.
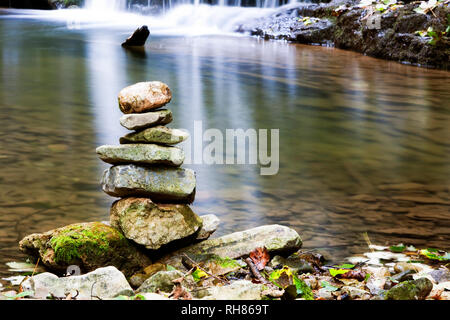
(88, 245)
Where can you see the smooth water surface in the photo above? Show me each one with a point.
(364, 143)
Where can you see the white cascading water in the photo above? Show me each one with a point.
(171, 17)
(106, 5)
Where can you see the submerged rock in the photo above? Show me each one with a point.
(275, 238)
(144, 96)
(103, 283)
(138, 38)
(153, 225)
(410, 290)
(87, 245)
(138, 121)
(141, 154)
(158, 134)
(160, 184)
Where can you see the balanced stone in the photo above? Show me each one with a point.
(159, 134)
(158, 183)
(144, 96)
(153, 225)
(87, 245)
(141, 154)
(138, 121)
(275, 238)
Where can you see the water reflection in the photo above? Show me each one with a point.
(363, 142)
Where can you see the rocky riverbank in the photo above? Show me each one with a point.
(415, 33)
(251, 265)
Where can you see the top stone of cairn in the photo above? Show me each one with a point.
(144, 96)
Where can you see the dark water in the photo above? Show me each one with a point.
(364, 143)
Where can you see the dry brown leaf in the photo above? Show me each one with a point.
(260, 257)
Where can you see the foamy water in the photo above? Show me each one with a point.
(186, 20)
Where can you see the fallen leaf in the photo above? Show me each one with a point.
(180, 293)
(260, 257)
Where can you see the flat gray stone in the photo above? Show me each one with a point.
(160, 184)
(138, 121)
(275, 238)
(103, 283)
(158, 134)
(141, 154)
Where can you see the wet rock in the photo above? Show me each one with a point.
(410, 290)
(159, 184)
(103, 283)
(440, 275)
(138, 121)
(153, 225)
(294, 262)
(153, 296)
(87, 245)
(388, 35)
(147, 154)
(137, 279)
(209, 226)
(138, 38)
(275, 238)
(403, 276)
(162, 281)
(238, 290)
(355, 293)
(158, 134)
(405, 266)
(325, 294)
(144, 96)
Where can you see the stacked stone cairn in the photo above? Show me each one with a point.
(152, 213)
(155, 191)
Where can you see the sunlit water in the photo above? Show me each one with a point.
(364, 143)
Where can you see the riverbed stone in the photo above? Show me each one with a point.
(146, 154)
(209, 226)
(162, 281)
(153, 225)
(158, 183)
(158, 134)
(138, 121)
(88, 245)
(238, 290)
(103, 283)
(275, 238)
(144, 96)
(410, 290)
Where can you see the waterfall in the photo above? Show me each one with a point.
(120, 5)
(106, 5)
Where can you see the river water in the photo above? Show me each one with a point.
(364, 143)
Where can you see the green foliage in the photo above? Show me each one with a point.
(434, 35)
(20, 295)
(199, 274)
(335, 272)
(285, 279)
(434, 254)
(398, 248)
